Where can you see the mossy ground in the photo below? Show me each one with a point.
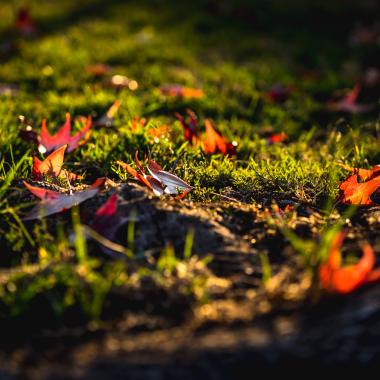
(223, 242)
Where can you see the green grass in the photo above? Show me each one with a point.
(235, 61)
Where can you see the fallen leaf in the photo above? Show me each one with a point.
(211, 142)
(170, 182)
(277, 138)
(159, 181)
(349, 103)
(53, 202)
(138, 124)
(337, 278)
(183, 92)
(63, 136)
(358, 188)
(190, 127)
(364, 174)
(52, 166)
(108, 220)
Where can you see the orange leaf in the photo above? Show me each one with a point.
(52, 165)
(213, 142)
(135, 174)
(358, 193)
(346, 279)
(179, 91)
(363, 174)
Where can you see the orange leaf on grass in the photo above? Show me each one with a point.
(211, 142)
(138, 124)
(52, 165)
(50, 142)
(358, 188)
(364, 174)
(179, 91)
(337, 278)
(214, 142)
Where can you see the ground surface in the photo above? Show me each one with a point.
(226, 280)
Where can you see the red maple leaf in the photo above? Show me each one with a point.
(50, 142)
(53, 202)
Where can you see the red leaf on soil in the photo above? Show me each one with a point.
(52, 166)
(345, 279)
(63, 136)
(53, 202)
(348, 102)
(358, 188)
(179, 91)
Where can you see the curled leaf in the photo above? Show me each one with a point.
(160, 181)
(345, 279)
